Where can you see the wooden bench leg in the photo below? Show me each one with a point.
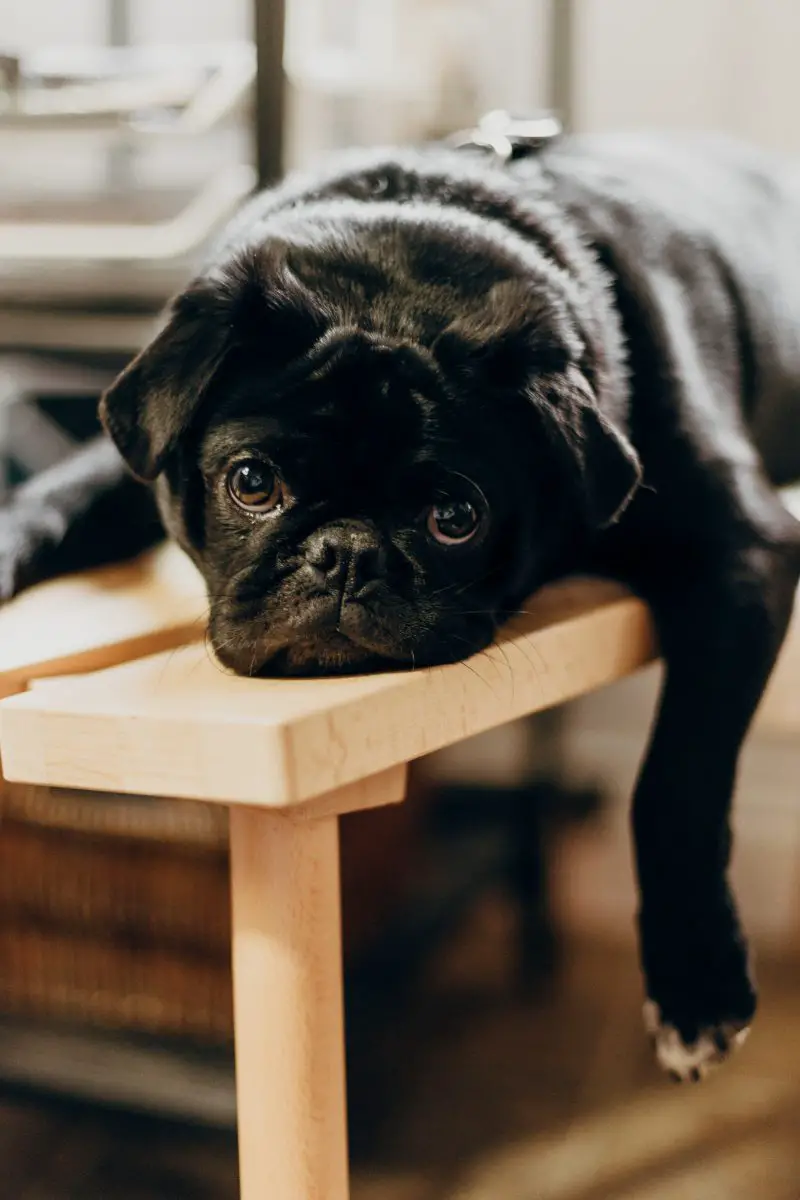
(287, 976)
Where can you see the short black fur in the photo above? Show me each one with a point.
(593, 356)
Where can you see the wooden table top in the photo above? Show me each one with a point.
(157, 715)
(176, 724)
(100, 618)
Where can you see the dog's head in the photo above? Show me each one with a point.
(374, 440)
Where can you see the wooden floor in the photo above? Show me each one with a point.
(474, 1094)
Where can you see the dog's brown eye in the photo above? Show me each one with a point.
(255, 487)
(453, 521)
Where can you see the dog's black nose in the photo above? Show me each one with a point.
(348, 558)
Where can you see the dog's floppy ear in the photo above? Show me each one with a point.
(154, 399)
(255, 300)
(526, 340)
(601, 460)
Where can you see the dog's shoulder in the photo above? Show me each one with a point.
(650, 191)
(706, 231)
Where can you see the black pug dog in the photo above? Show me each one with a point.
(407, 392)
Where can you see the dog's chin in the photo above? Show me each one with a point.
(329, 656)
(332, 653)
(309, 657)
(327, 641)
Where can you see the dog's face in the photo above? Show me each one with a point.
(371, 471)
(358, 523)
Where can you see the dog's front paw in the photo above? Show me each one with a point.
(701, 996)
(14, 552)
(24, 537)
(690, 1061)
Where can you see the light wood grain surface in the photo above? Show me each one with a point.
(99, 618)
(288, 1004)
(176, 724)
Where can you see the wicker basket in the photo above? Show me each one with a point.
(116, 910)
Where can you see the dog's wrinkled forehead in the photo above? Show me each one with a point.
(362, 411)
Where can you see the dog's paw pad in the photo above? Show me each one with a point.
(691, 1063)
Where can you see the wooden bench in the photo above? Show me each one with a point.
(110, 688)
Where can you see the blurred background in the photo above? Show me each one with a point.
(495, 1041)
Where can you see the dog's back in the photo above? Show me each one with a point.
(708, 213)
